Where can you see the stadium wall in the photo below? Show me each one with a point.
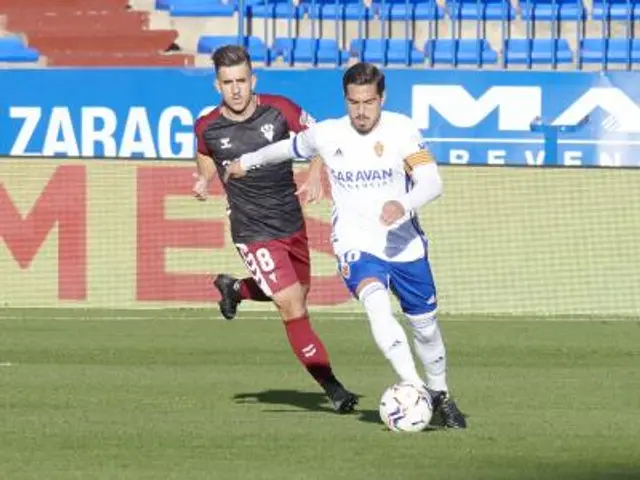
(519, 230)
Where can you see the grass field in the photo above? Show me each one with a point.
(179, 394)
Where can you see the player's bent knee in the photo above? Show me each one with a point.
(368, 286)
(290, 302)
(375, 300)
(424, 326)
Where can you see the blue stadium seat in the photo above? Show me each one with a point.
(202, 8)
(465, 51)
(517, 51)
(395, 50)
(413, 10)
(302, 50)
(277, 9)
(256, 47)
(612, 50)
(167, 4)
(481, 9)
(615, 9)
(343, 9)
(13, 49)
(550, 9)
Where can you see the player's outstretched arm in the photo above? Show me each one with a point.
(275, 153)
(302, 145)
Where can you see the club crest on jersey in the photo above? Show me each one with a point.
(267, 131)
(345, 270)
(378, 148)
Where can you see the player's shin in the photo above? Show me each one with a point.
(431, 350)
(387, 331)
(309, 349)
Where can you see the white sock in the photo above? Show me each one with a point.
(430, 348)
(388, 333)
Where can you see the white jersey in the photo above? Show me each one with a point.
(366, 171)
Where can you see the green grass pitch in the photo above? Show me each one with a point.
(181, 394)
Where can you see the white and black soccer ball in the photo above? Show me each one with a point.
(406, 407)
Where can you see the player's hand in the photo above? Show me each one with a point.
(392, 211)
(200, 187)
(312, 189)
(233, 170)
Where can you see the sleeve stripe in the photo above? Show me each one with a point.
(419, 158)
(295, 147)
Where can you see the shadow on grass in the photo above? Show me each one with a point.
(312, 402)
(309, 401)
(302, 401)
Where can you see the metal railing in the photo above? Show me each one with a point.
(364, 15)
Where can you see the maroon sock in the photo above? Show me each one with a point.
(309, 348)
(249, 290)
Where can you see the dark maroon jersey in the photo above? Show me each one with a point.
(263, 204)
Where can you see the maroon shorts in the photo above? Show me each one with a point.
(278, 264)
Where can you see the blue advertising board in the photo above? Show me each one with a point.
(467, 117)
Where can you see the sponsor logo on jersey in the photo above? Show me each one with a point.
(362, 176)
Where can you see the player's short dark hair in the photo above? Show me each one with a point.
(363, 73)
(230, 56)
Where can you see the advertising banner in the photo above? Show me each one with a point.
(467, 117)
(129, 234)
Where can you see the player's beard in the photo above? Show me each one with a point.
(364, 129)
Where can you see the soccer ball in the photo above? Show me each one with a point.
(405, 407)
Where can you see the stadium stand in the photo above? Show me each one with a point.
(553, 34)
(88, 33)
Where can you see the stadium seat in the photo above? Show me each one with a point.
(538, 50)
(613, 50)
(276, 9)
(615, 9)
(13, 50)
(481, 9)
(303, 50)
(464, 51)
(342, 9)
(413, 10)
(552, 9)
(256, 47)
(389, 50)
(202, 8)
(167, 4)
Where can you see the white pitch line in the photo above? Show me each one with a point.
(516, 318)
(6, 364)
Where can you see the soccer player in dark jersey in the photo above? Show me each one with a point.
(267, 224)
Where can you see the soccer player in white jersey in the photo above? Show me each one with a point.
(380, 175)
